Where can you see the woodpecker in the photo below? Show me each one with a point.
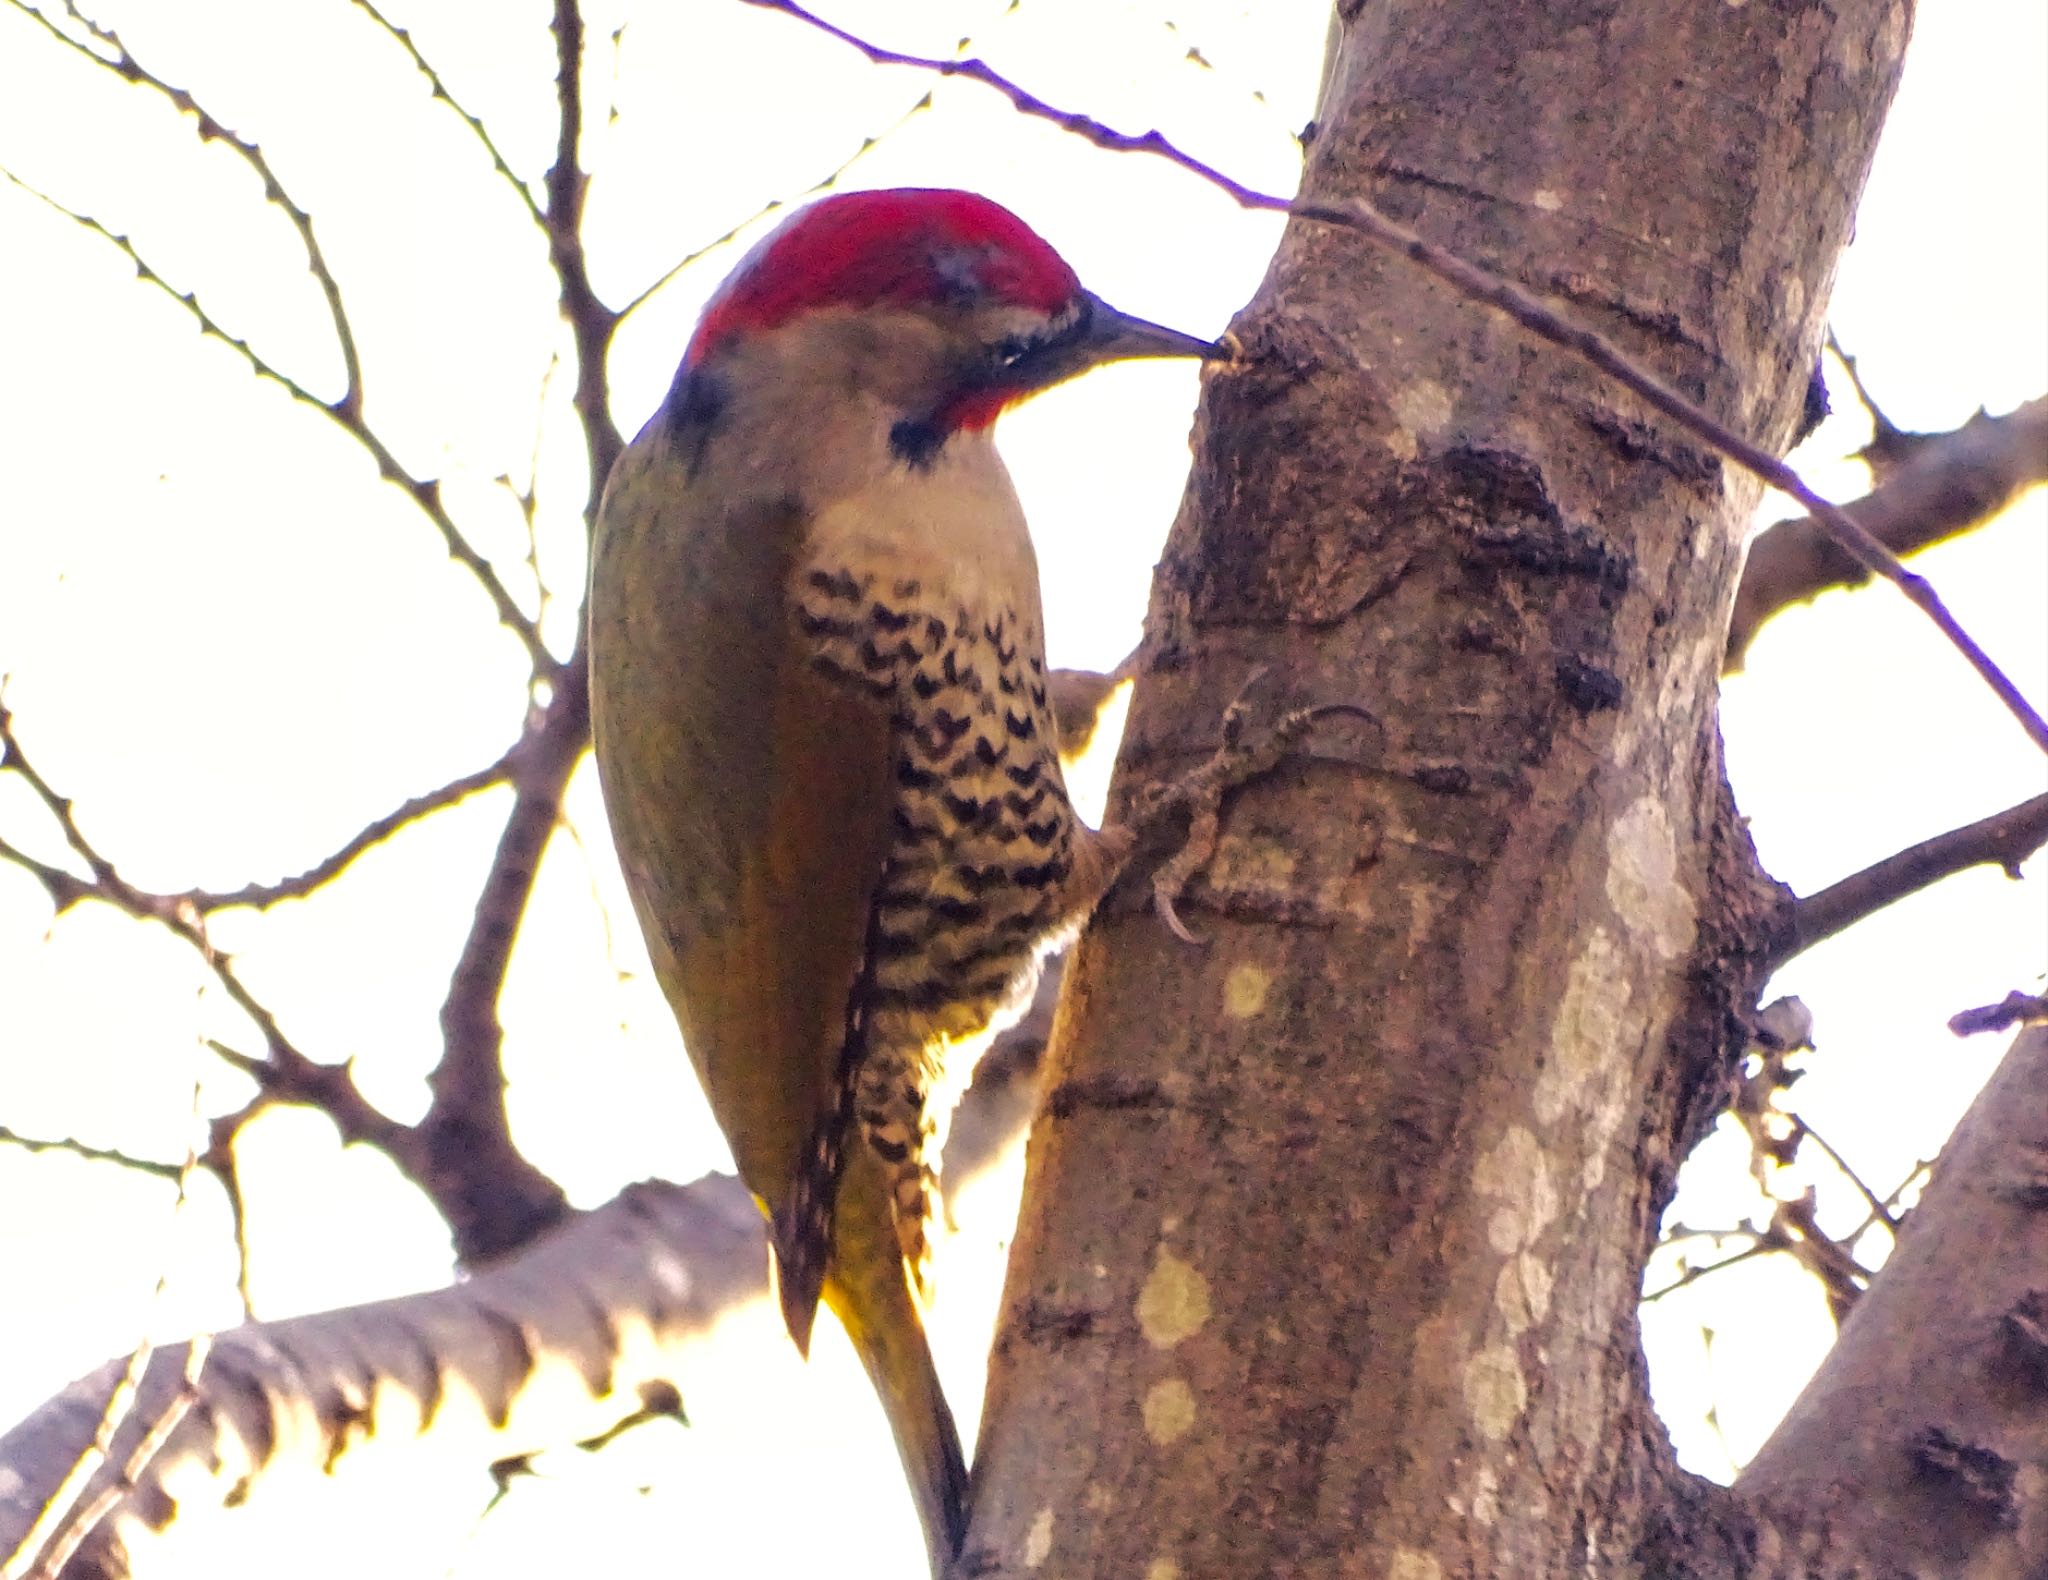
(819, 704)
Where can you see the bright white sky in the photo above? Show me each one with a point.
(234, 646)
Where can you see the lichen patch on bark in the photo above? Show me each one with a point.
(1422, 407)
(1643, 883)
(1495, 1391)
(1522, 1292)
(1174, 1302)
(1169, 1410)
(1038, 1539)
(1244, 990)
(1409, 1564)
(1517, 1174)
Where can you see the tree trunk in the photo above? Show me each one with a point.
(1334, 1228)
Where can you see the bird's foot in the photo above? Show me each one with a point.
(1236, 761)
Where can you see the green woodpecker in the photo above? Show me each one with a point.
(818, 693)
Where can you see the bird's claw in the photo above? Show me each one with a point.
(1202, 792)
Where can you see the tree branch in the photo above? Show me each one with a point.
(123, 64)
(511, 1361)
(372, 834)
(2006, 838)
(2015, 1009)
(429, 1154)
(348, 417)
(1928, 1458)
(440, 91)
(506, 1201)
(550, 1349)
(154, 1167)
(1953, 483)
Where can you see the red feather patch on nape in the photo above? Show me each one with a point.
(907, 246)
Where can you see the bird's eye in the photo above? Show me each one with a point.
(1011, 350)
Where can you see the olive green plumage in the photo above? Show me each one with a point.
(750, 799)
(819, 704)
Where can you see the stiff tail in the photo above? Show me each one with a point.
(884, 1326)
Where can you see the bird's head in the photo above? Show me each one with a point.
(943, 305)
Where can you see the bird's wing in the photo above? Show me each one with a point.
(751, 801)
(750, 797)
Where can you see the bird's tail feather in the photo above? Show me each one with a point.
(892, 1347)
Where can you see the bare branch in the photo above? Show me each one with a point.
(123, 64)
(106, 882)
(551, 1348)
(1880, 1209)
(63, 1522)
(2015, 1009)
(1954, 483)
(445, 1155)
(1871, 1444)
(1481, 285)
(494, 1198)
(369, 836)
(65, 889)
(1762, 1244)
(81, 1525)
(153, 1167)
(1890, 446)
(2006, 838)
(219, 1159)
(189, 300)
(440, 91)
(501, 1364)
(349, 418)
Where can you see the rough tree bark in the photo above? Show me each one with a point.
(1333, 1230)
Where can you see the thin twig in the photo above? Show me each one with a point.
(154, 1167)
(1842, 1278)
(1766, 1241)
(1880, 1211)
(1483, 286)
(219, 1158)
(123, 64)
(2005, 838)
(285, 1071)
(370, 835)
(189, 300)
(427, 495)
(440, 91)
(1890, 446)
(527, 498)
(1922, 1170)
(65, 889)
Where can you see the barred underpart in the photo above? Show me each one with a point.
(972, 895)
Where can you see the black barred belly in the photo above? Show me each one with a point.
(984, 833)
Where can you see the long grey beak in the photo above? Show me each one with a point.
(1097, 334)
(1111, 336)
